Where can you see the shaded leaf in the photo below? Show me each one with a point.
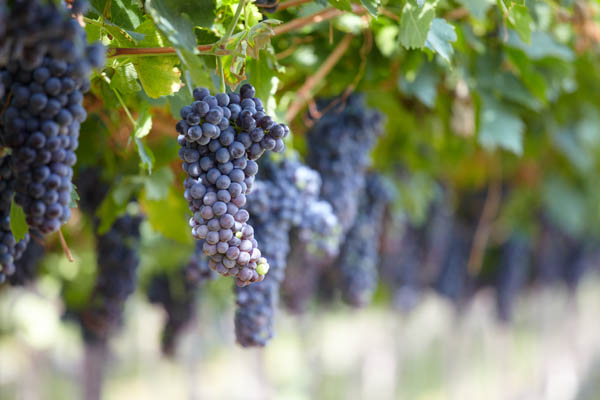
(168, 216)
(18, 224)
(500, 127)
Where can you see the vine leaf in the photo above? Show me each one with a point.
(415, 22)
(125, 13)
(165, 215)
(143, 125)
(18, 224)
(372, 6)
(125, 79)
(477, 8)
(171, 18)
(500, 127)
(440, 38)
(343, 5)
(146, 155)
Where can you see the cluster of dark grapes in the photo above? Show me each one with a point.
(10, 249)
(117, 260)
(176, 293)
(26, 267)
(359, 255)
(513, 270)
(283, 195)
(45, 64)
(339, 145)
(221, 136)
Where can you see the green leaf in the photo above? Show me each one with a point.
(74, 197)
(423, 86)
(477, 8)
(157, 185)
(114, 204)
(146, 155)
(125, 79)
(533, 79)
(344, 5)
(143, 125)
(415, 22)
(372, 6)
(440, 36)
(178, 28)
(125, 13)
(18, 224)
(521, 21)
(168, 216)
(261, 74)
(542, 45)
(158, 75)
(500, 127)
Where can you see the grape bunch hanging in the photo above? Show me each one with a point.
(286, 196)
(10, 249)
(45, 64)
(221, 137)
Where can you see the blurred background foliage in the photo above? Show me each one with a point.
(477, 95)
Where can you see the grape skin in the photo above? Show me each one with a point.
(45, 69)
(279, 202)
(219, 158)
(10, 250)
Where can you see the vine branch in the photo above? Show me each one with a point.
(218, 48)
(303, 94)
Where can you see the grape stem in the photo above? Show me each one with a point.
(65, 246)
(303, 94)
(221, 74)
(236, 18)
(485, 226)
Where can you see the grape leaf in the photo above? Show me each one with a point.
(423, 86)
(542, 45)
(500, 127)
(167, 216)
(125, 79)
(520, 20)
(18, 224)
(440, 36)
(146, 156)
(477, 8)
(261, 74)
(125, 13)
(415, 22)
(343, 5)
(143, 125)
(385, 40)
(372, 6)
(158, 75)
(74, 197)
(178, 28)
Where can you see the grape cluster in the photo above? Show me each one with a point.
(117, 259)
(283, 195)
(176, 293)
(338, 147)
(44, 67)
(26, 267)
(512, 275)
(359, 255)
(10, 249)
(221, 136)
